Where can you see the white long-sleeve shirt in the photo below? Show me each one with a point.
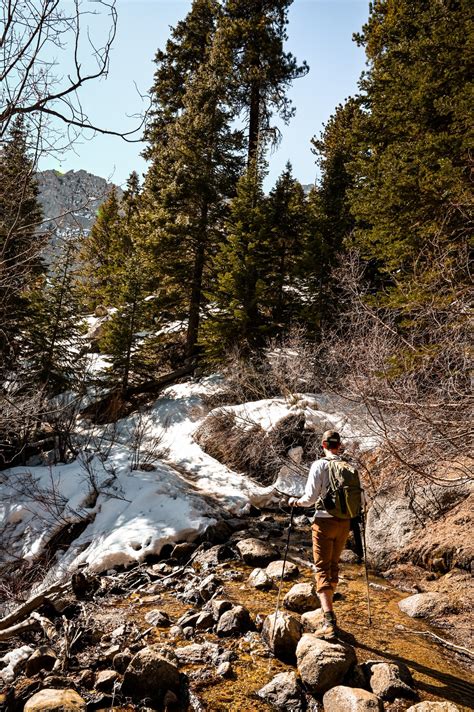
(317, 484)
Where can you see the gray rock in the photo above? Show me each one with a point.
(257, 552)
(349, 557)
(260, 580)
(301, 597)
(150, 674)
(219, 606)
(197, 653)
(429, 706)
(183, 551)
(389, 680)
(321, 664)
(224, 669)
(351, 699)
(205, 621)
(312, 620)
(189, 618)
(234, 622)
(209, 586)
(283, 693)
(105, 680)
(219, 532)
(281, 634)
(275, 568)
(158, 618)
(51, 700)
(214, 556)
(390, 526)
(122, 660)
(424, 605)
(43, 658)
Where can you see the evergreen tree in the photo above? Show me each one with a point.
(412, 164)
(101, 255)
(193, 174)
(52, 330)
(287, 225)
(240, 268)
(122, 333)
(251, 38)
(21, 241)
(185, 51)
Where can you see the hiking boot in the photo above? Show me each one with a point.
(328, 629)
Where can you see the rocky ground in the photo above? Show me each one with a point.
(196, 630)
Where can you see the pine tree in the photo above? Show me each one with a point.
(101, 255)
(52, 331)
(287, 224)
(122, 333)
(251, 38)
(185, 51)
(193, 174)
(412, 165)
(240, 268)
(21, 240)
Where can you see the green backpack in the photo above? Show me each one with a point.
(343, 495)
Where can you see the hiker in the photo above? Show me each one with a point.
(329, 531)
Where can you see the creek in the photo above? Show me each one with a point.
(439, 674)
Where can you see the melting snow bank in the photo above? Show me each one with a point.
(128, 513)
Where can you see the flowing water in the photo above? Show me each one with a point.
(439, 674)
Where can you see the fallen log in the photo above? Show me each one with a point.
(29, 624)
(31, 605)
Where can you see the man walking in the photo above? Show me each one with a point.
(329, 532)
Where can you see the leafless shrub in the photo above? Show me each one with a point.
(146, 444)
(414, 382)
(246, 447)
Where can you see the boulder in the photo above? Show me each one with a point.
(260, 580)
(424, 605)
(321, 664)
(158, 618)
(197, 653)
(275, 569)
(209, 586)
(183, 551)
(282, 634)
(214, 556)
(224, 669)
(312, 620)
(429, 706)
(43, 658)
(283, 693)
(105, 680)
(205, 621)
(234, 622)
(349, 557)
(391, 524)
(389, 680)
(351, 699)
(55, 701)
(219, 606)
(150, 674)
(301, 597)
(256, 552)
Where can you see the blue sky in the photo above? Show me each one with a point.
(320, 31)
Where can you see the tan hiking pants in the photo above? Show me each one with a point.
(329, 538)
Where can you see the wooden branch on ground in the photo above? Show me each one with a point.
(31, 605)
(29, 624)
(451, 646)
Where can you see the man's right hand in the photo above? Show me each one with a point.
(293, 502)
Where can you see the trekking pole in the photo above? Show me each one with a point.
(281, 577)
(362, 514)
